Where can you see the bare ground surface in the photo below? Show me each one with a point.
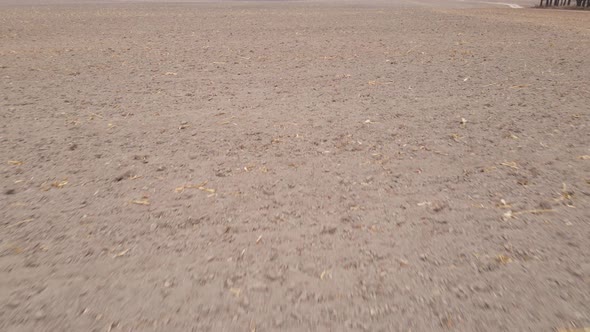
(293, 166)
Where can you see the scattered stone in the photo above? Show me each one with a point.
(545, 205)
(223, 230)
(123, 176)
(438, 207)
(278, 321)
(12, 304)
(40, 314)
(273, 276)
(10, 192)
(245, 302)
(328, 229)
(480, 286)
(223, 172)
(575, 272)
(31, 263)
(229, 283)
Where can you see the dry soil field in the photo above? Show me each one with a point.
(294, 166)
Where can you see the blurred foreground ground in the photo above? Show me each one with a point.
(293, 166)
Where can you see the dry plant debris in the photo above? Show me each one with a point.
(121, 254)
(143, 201)
(59, 184)
(509, 214)
(565, 196)
(235, 291)
(503, 259)
(511, 164)
(456, 137)
(200, 186)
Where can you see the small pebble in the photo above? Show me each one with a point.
(328, 229)
(545, 205)
(39, 314)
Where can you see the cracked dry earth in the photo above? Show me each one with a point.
(293, 166)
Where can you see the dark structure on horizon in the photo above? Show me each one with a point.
(555, 3)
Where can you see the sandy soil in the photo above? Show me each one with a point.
(293, 166)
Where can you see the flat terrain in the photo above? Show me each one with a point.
(294, 166)
(389, 3)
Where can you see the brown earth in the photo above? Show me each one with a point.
(293, 166)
